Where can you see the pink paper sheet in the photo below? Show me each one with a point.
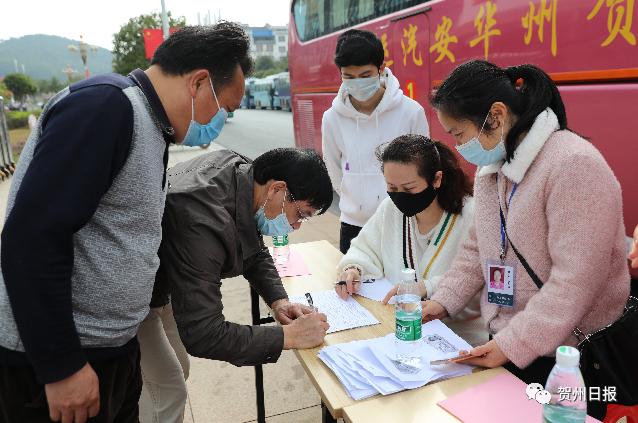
(501, 399)
(295, 266)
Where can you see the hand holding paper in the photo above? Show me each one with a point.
(487, 355)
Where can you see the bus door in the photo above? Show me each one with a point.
(407, 52)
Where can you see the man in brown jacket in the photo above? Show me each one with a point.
(217, 209)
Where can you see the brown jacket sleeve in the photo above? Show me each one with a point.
(194, 255)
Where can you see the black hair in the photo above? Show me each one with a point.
(303, 171)
(430, 156)
(471, 89)
(358, 48)
(218, 48)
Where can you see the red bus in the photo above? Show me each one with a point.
(589, 47)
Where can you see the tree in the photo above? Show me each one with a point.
(264, 63)
(128, 50)
(282, 64)
(20, 85)
(4, 92)
(52, 85)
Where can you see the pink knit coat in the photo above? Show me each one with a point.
(566, 220)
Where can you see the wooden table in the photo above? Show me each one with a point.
(322, 259)
(416, 405)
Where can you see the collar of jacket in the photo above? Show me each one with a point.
(545, 124)
(249, 238)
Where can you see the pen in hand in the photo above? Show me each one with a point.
(311, 303)
(356, 280)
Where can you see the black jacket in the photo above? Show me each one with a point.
(209, 234)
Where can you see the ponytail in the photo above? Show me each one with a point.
(536, 93)
(473, 87)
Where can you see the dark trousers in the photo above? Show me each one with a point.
(22, 398)
(347, 234)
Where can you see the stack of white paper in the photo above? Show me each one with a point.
(342, 314)
(366, 368)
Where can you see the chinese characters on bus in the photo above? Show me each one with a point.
(443, 40)
(546, 13)
(409, 45)
(386, 51)
(539, 25)
(484, 23)
(619, 18)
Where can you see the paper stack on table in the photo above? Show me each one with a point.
(366, 368)
(342, 314)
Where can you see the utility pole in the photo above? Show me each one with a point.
(164, 21)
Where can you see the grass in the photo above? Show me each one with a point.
(18, 138)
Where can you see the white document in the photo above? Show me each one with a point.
(376, 290)
(342, 314)
(367, 367)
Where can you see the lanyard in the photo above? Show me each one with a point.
(503, 223)
(438, 250)
(408, 259)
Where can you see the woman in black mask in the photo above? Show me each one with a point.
(421, 225)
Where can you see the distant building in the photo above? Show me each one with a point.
(268, 41)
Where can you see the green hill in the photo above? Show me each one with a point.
(44, 56)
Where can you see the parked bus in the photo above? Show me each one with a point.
(282, 91)
(587, 46)
(248, 100)
(271, 92)
(262, 93)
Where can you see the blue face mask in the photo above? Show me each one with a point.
(362, 89)
(473, 151)
(199, 134)
(273, 227)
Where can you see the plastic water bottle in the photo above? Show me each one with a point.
(281, 250)
(572, 407)
(408, 320)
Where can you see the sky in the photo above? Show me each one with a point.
(98, 21)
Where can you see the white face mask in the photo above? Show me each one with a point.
(362, 89)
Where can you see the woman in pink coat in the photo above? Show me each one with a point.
(556, 198)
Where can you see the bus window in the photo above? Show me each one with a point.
(385, 7)
(314, 18)
(309, 18)
(343, 13)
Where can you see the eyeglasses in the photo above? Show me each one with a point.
(302, 218)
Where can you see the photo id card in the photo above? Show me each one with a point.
(500, 283)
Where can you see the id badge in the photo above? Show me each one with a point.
(500, 279)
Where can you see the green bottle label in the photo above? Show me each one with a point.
(408, 330)
(280, 240)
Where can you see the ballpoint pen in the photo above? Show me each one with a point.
(356, 280)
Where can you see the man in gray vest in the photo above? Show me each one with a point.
(79, 246)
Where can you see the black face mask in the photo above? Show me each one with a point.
(411, 204)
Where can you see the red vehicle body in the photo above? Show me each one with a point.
(589, 47)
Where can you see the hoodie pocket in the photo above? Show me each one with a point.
(361, 194)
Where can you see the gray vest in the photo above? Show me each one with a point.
(115, 253)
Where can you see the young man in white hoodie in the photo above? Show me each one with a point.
(369, 110)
